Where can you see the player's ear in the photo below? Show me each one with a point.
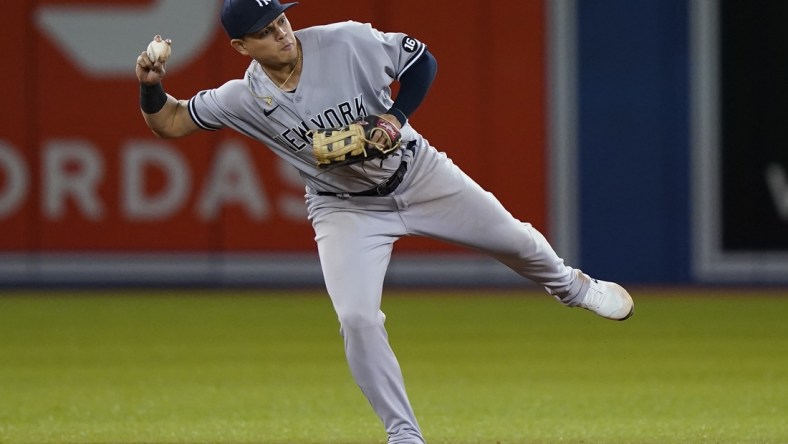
(239, 46)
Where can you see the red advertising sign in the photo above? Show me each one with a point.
(80, 171)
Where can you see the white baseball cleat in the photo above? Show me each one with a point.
(609, 300)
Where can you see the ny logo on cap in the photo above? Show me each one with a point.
(263, 3)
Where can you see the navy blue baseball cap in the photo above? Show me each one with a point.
(241, 17)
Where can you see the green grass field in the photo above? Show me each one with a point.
(495, 367)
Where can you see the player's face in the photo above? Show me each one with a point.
(274, 45)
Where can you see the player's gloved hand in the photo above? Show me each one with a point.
(371, 137)
(380, 138)
(150, 72)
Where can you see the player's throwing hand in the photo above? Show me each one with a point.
(151, 72)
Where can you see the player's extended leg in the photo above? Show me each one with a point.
(355, 249)
(450, 206)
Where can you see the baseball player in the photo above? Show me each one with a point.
(299, 82)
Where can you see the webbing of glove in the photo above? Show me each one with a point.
(353, 143)
(337, 146)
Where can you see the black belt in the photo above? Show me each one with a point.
(384, 188)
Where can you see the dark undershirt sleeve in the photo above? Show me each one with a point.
(414, 84)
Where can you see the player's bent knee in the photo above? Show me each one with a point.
(355, 319)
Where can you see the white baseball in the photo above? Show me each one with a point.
(159, 50)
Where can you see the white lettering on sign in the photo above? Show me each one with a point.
(17, 180)
(777, 181)
(72, 170)
(138, 157)
(73, 173)
(232, 179)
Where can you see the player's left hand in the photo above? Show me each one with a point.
(380, 138)
(372, 137)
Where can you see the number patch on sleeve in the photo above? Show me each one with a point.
(409, 44)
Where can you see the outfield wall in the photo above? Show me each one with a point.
(595, 121)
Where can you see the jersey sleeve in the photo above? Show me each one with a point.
(394, 51)
(210, 109)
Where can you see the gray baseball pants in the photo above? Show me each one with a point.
(355, 238)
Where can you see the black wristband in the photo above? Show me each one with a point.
(152, 98)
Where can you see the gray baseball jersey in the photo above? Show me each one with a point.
(346, 73)
(366, 60)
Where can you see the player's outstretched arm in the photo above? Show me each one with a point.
(164, 114)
